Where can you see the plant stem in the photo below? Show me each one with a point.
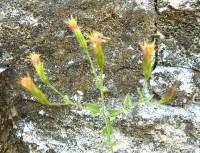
(105, 117)
(55, 90)
(90, 61)
(62, 95)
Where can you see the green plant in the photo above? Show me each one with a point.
(97, 67)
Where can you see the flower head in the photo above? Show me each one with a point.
(26, 82)
(39, 68)
(72, 23)
(96, 39)
(35, 58)
(147, 49)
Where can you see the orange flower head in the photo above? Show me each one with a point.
(72, 23)
(148, 49)
(96, 39)
(35, 58)
(26, 82)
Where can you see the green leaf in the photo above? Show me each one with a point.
(105, 89)
(99, 83)
(114, 113)
(169, 94)
(109, 126)
(93, 108)
(107, 134)
(127, 102)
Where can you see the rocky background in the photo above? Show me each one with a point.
(34, 25)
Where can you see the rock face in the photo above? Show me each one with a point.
(27, 26)
(178, 50)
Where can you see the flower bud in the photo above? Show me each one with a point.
(27, 83)
(35, 58)
(72, 24)
(96, 39)
(147, 49)
(39, 68)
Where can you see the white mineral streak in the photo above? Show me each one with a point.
(70, 62)
(24, 16)
(31, 134)
(160, 35)
(185, 76)
(42, 112)
(2, 69)
(123, 142)
(144, 4)
(156, 111)
(179, 4)
(29, 19)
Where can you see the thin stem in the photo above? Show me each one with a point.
(62, 95)
(105, 117)
(58, 92)
(56, 104)
(90, 61)
(145, 85)
(64, 104)
(142, 96)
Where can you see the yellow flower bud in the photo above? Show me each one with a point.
(147, 49)
(27, 83)
(96, 39)
(35, 58)
(39, 68)
(72, 23)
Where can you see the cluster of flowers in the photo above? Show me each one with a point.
(95, 40)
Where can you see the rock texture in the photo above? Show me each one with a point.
(34, 25)
(178, 50)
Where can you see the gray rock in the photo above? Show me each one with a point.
(27, 26)
(178, 50)
(147, 128)
(178, 4)
(165, 129)
(186, 80)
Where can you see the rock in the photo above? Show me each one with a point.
(165, 129)
(62, 132)
(178, 50)
(27, 26)
(178, 4)
(187, 88)
(38, 26)
(148, 128)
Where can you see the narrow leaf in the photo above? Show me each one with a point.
(114, 113)
(169, 94)
(127, 102)
(93, 108)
